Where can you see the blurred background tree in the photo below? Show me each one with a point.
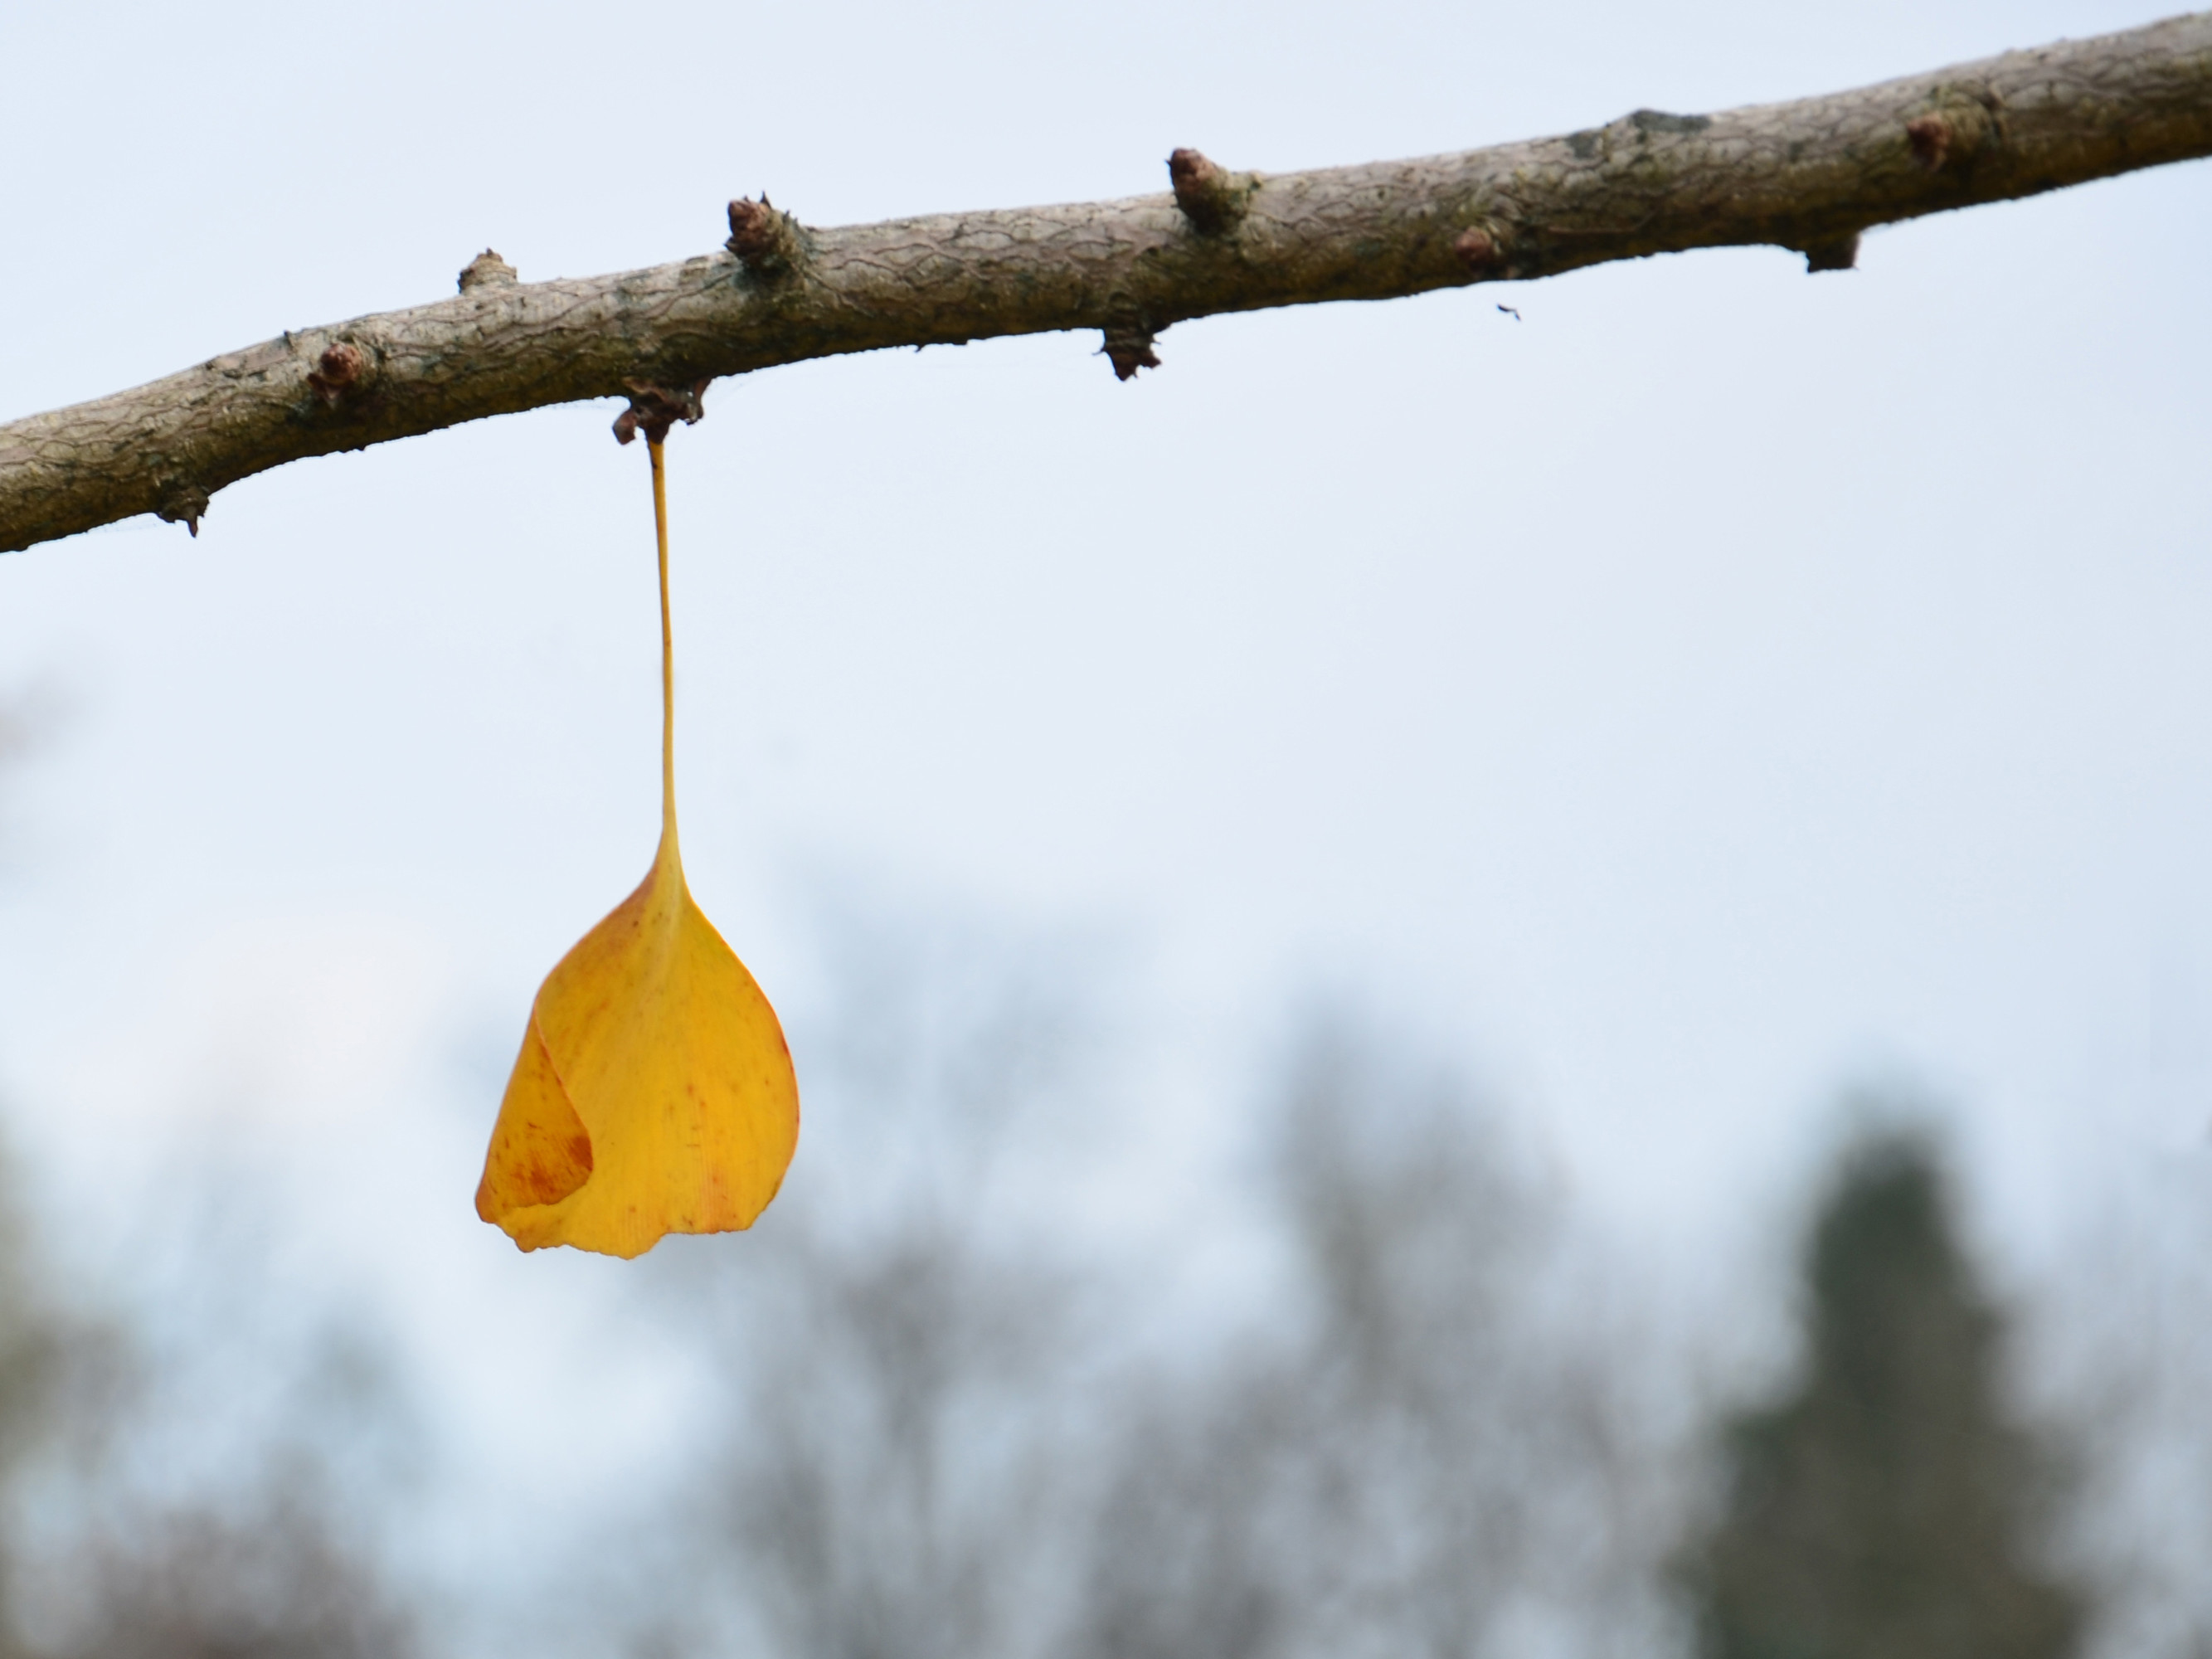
(1890, 1503)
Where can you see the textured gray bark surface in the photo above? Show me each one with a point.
(1808, 175)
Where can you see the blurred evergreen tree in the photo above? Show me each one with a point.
(1887, 1507)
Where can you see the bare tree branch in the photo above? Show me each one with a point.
(1810, 175)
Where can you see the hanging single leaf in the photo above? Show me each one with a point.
(654, 1093)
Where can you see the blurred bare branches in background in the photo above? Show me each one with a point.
(1432, 1429)
(207, 1489)
(2123, 1354)
(947, 1413)
(28, 714)
(269, 1580)
(1409, 1450)
(53, 1361)
(939, 1439)
(896, 1348)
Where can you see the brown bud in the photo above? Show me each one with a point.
(488, 269)
(1189, 171)
(767, 240)
(1211, 196)
(752, 228)
(339, 369)
(1128, 346)
(183, 503)
(1480, 251)
(342, 364)
(1832, 253)
(1930, 136)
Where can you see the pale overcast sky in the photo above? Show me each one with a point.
(1716, 686)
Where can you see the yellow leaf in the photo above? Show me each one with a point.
(654, 1093)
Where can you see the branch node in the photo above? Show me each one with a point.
(1211, 196)
(183, 503)
(767, 240)
(488, 269)
(654, 409)
(339, 371)
(1832, 253)
(1482, 249)
(1128, 346)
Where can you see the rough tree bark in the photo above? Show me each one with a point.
(1808, 175)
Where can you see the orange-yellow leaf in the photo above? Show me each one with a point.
(654, 1093)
